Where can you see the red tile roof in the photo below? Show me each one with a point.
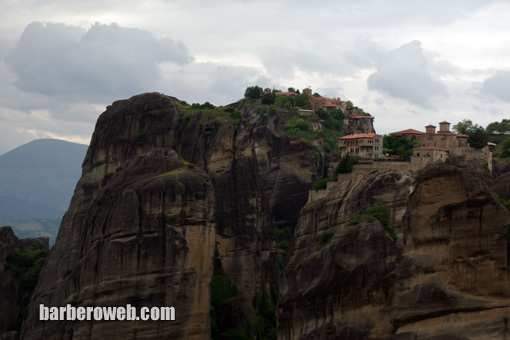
(462, 135)
(360, 135)
(286, 93)
(408, 131)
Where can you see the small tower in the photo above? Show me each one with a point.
(307, 91)
(444, 127)
(430, 129)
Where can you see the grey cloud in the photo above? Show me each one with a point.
(283, 62)
(219, 84)
(104, 62)
(404, 74)
(498, 86)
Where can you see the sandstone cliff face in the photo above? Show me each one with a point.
(453, 279)
(287, 167)
(344, 289)
(145, 239)
(446, 277)
(166, 200)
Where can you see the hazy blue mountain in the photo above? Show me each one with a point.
(37, 180)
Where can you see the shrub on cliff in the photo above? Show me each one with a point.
(478, 138)
(301, 128)
(380, 213)
(346, 164)
(253, 92)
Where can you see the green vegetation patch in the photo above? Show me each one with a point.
(210, 113)
(506, 203)
(300, 127)
(325, 239)
(24, 266)
(174, 172)
(399, 146)
(383, 215)
(346, 164)
(263, 324)
(321, 183)
(380, 213)
(183, 169)
(284, 240)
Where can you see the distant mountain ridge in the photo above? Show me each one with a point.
(37, 180)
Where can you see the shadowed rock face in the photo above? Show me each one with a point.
(13, 295)
(344, 289)
(453, 279)
(146, 239)
(147, 228)
(445, 278)
(9, 289)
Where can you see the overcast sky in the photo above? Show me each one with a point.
(409, 63)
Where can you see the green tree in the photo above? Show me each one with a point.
(504, 148)
(281, 100)
(478, 138)
(465, 126)
(268, 98)
(398, 146)
(291, 89)
(502, 127)
(337, 114)
(303, 101)
(346, 164)
(253, 92)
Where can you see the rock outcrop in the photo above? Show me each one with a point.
(15, 289)
(343, 289)
(173, 198)
(167, 199)
(446, 277)
(453, 282)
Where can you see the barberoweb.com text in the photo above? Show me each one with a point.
(127, 313)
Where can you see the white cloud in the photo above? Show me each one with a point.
(404, 74)
(497, 86)
(103, 62)
(74, 69)
(217, 83)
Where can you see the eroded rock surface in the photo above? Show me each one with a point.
(344, 289)
(446, 277)
(453, 279)
(167, 199)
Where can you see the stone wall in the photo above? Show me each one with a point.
(382, 166)
(473, 154)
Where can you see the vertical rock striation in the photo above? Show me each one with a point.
(343, 289)
(446, 277)
(167, 199)
(453, 280)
